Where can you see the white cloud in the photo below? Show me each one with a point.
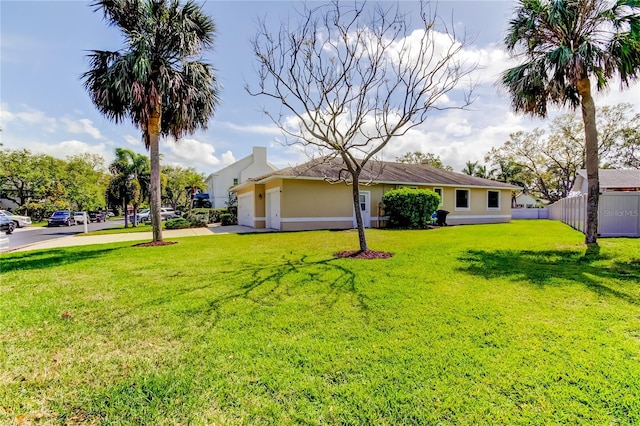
(228, 158)
(190, 153)
(72, 147)
(252, 128)
(30, 117)
(81, 126)
(135, 141)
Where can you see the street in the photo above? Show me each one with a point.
(34, 234)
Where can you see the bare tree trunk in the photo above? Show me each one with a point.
(359, 223)
(154, 157)
(591, 149)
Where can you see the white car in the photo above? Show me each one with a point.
(20, 221)
(166, 213)
(80, 217)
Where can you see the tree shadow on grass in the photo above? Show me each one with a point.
(549, 266)
(43, 259)
(268, 285)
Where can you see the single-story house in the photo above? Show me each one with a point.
(525, 201)
(218, 183)
(610, 180)
(307, 196)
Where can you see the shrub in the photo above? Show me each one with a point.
(197, 220)
(410, 208)
(227, 219)
(177, 223)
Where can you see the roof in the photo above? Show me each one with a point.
(381, 172)
(615, 178)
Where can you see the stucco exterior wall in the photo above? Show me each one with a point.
(306, 198)
(316, 204)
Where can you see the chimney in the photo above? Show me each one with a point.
(260, 154)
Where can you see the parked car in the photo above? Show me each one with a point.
(61, 218)
(19, 221)
(80, 217)
(97, 216)
(166, 213)
(142, 216)
(6, 225)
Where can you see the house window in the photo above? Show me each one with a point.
(493, 200)
(462, 199)
(439, 192)
(235, 182)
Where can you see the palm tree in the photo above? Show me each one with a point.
(132, 177)
(156, 80)
(564, 43)
(470, 168)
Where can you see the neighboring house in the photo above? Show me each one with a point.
(618, 207)
(304, 197)
(525, 201)
(218, 183)
(610, 180)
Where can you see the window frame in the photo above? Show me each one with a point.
(468, 207)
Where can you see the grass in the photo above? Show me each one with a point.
(120, 229)
(489, 324)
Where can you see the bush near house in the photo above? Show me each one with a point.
(227, 219)
(177, 223)
(410, 208)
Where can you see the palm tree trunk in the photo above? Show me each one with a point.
(359, 223)
(154, 158)
(591, 149)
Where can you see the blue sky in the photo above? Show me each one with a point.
(45, 108)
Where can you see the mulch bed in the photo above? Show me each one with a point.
(368, 254)
(156, 244)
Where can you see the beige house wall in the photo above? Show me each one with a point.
(316, 204)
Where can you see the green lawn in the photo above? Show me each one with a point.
(466, 325)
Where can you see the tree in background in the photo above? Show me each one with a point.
(563, 44)
(350, 78)
(473, 168)
(549, 159)
(40, 183)
(85, 181)
(130, 180)
(418, 157)
(25, 176)
(157, 81)
(181, 184)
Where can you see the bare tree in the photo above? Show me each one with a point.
(351, 78)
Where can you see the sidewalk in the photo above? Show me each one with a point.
(167, 234)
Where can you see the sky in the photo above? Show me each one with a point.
(44, 107)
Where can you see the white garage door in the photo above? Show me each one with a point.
(245, 210)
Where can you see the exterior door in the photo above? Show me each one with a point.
(273, 209)
(365, 208)
(246, 210)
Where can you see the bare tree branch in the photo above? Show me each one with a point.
(349, 79)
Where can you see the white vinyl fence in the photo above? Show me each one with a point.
(618, 213)
(525, 213)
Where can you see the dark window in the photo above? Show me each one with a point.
(462, 198)
(439, 192)
(235, 181)
(493, 199)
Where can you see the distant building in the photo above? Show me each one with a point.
(525, 201)
(218, 183)
(610, 180)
